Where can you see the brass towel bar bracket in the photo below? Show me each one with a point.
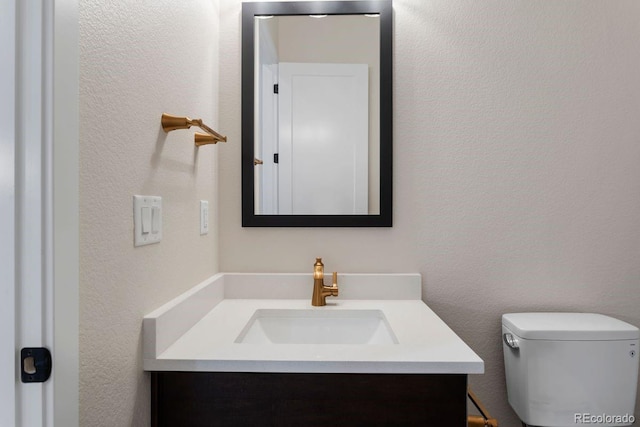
(170, 123)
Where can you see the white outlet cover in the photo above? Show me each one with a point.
(204, 217)
(147, 220)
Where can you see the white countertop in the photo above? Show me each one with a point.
(206, 342)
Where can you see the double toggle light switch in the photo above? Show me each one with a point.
(147, 218)
(150, 220)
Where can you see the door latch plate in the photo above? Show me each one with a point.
(35, 364)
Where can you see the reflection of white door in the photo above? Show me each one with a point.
(323, 139)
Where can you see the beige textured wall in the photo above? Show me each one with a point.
(138, 60)
(516, 178)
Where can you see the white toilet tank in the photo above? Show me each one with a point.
(570, 369)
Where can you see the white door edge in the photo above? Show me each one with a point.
(39, 234)
(8, 360)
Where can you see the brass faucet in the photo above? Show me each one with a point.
(320, 291)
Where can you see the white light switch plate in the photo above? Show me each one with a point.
(147, 220)
(204, 217)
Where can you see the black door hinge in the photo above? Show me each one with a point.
(35, 364)
(275, 88)
(275, 157)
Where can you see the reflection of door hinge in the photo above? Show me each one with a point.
(35, 364)
(275, 88)
(275, 157)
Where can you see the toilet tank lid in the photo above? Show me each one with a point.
(569, 327)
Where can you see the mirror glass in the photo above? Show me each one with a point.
(317, 113)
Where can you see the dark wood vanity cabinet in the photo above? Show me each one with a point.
(198, 399)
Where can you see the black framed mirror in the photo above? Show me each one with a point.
(317, 114)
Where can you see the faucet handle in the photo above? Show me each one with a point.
(335, 280)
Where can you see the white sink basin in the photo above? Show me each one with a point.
(317, 326)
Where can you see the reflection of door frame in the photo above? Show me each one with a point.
(266, 129)
(268, 170)
(39, 159)
(297, 184)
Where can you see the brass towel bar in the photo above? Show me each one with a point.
(170, 123)
(483, 420)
